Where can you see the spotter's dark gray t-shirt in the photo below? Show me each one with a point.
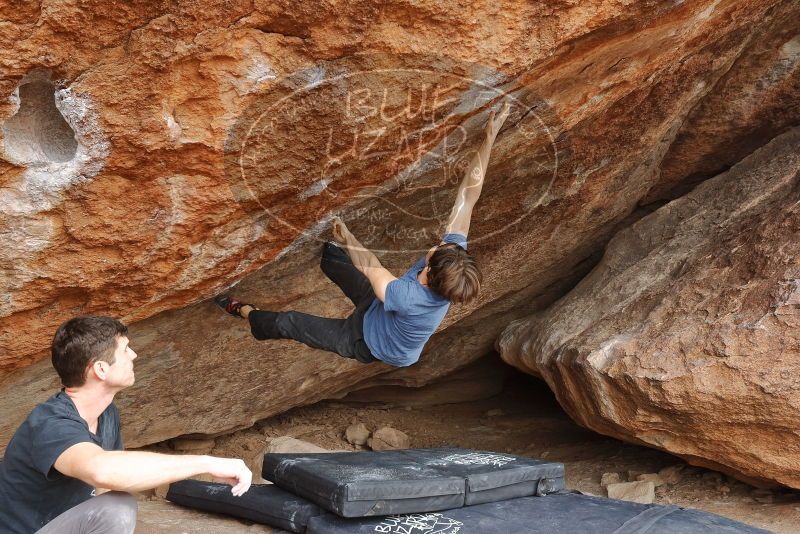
(32, 492)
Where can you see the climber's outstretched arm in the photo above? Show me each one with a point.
(472, 184)
(363, 259)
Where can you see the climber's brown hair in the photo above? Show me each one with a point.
(454, 274)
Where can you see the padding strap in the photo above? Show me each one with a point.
(641, 523)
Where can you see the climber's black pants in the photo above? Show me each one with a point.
(342, 336)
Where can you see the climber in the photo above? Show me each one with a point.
(393, 317)
(70, 446)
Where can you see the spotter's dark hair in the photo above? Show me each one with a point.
(80, 342)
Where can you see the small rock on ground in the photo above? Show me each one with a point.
(357, 434)
(386, 438)
(288, 444)
(641, 491)
(609, 478)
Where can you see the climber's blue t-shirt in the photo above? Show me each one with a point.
(396, 330)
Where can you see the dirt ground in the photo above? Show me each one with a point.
(524, 419)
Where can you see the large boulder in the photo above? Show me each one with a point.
(686, 335)
(156, 153)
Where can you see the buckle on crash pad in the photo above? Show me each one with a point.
(545, 486)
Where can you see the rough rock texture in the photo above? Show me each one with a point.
(651, 477)
(196, 446)
(755, 100)
(208, 142)
(609, 478)
(672, 474)
(686, 336)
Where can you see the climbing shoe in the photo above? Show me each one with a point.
(230, 305)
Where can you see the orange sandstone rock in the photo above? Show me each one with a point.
(202, 142)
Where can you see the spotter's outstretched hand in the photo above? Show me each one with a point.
(231, 471)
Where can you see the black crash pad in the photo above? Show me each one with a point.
(405, 481)
(262, 503)
(364, 483)
(567, 513)
(492, 476)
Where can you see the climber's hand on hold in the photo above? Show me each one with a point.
(496, 120)
(339, 231)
